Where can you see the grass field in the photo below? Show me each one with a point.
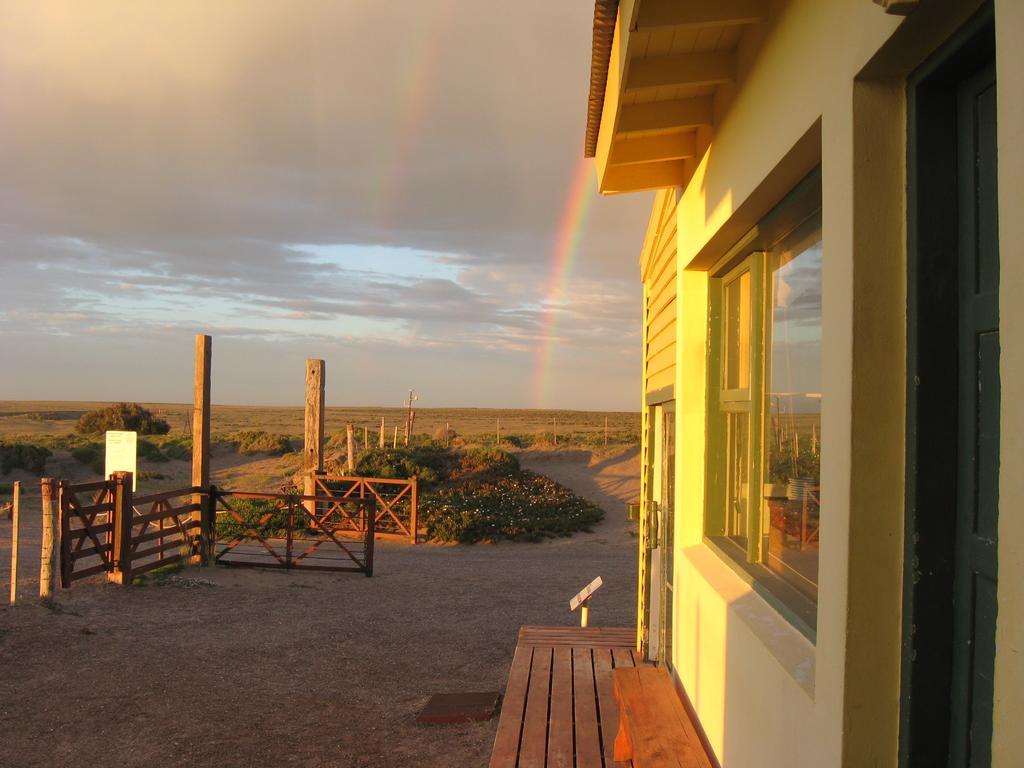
(38, 418)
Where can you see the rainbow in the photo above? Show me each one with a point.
(417, 86)
(563, 257)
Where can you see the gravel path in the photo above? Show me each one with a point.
(250, 668)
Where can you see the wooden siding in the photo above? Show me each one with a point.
(658, 269)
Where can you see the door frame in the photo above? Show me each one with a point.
(932, 371)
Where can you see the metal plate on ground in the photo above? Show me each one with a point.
(459, 707)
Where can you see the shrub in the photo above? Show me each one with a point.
(149, 451)
(431, 464)
(482, 463)
(525, 506)
(92, 455)
(31, 458)
(262, 442)
(179, 449)
(252, 511)
(131, 417)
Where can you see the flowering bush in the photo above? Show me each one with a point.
(523, 506)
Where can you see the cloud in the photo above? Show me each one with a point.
(307, 171)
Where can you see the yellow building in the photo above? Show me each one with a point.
(829, 558)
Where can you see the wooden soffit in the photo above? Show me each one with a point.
(666, 62)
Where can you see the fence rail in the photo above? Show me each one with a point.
(105, 528)
(290, 531)
(397, 502)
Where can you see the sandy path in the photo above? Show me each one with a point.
(268, 668)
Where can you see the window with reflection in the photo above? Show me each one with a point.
(764, 419)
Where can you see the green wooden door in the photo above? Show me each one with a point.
(975, 574)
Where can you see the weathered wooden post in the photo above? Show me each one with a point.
(15, 532)
(497, 431)
(201, 446)
(366, 438)
(447, 433)
(313, 450)
(414, 510)
(394, 443)
(554, 430)
(412, 424)
(381, 440)
(605, 431)
(49, 548)
(122, 525)
(350, 445)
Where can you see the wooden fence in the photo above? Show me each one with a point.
(397, 501)
(294, 532)
(104, 528)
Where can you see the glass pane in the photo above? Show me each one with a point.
(793, 432)
(737, 480)
(737, 333)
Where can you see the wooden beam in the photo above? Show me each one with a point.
(695, 14)
(666, 115)
(641, 176)
(201, 443)
(201, 412)
(313, 453)
(708, 68)
(654, 149)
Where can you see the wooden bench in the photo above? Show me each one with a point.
(654, 727)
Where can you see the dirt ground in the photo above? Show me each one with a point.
(226, 667)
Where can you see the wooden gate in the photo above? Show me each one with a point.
(397, 502)
(275, 530)
(165, 528)
(86, 530)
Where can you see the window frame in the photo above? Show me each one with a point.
(751, 253)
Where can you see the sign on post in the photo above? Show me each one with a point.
(122, 453)
(581, 598)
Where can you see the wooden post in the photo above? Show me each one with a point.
(314, 435)
(381, 437)
(497, 431)
(412, 424)
(350, 445)
(15, 521)
(122, 525)
(366, 439)
(313, 438)
(447, 433)
(605, 431)
(49, 548)
(554, 430)
(395, 443)
(414, 510)
(201, 443)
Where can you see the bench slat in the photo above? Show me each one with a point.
(656, 729)
(560, 728)
(506, 740)
(535, 725)
(588, 741)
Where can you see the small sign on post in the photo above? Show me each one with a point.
(122, 454)
(581, 600)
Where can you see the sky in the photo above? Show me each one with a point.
(397, 188)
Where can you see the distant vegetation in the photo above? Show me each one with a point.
(482, 494)
(30, 458)
(130, 417)
(250, 442)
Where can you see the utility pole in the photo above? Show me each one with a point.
(409, 415)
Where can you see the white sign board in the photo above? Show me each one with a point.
(122, 455)
(585, 593)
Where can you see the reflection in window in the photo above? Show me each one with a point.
(793, 410)
(738, 481)
(737, 333)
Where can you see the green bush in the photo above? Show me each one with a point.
(252, 511)
(150, 451)
(31, 458)
(431, 464)
(179, 449)
(262, 442)
(93, 455)
(130, 417)
(480, 463)
(525, 506)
